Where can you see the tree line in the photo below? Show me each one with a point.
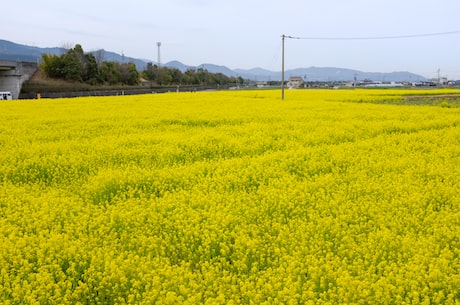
(165, 76)
(76, 65)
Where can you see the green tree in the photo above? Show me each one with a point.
(176, 76)
(52, 65)
(74, 64)
(164, 77)
(92, 75)
(191, 78)
(150, 72)
(133, 74)
(202, 75)
(129, 74)
(110, 73)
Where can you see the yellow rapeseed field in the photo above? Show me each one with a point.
(236, 197)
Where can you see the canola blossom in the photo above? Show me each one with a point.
(236, 197)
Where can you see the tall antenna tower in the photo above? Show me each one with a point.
(159, 58)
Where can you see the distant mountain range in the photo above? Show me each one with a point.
(13, 51)
(322, 74)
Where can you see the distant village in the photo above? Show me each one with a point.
(297, 82)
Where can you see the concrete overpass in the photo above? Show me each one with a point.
(13, 74)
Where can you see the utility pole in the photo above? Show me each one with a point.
(282, 68)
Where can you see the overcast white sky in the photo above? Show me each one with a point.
(247, 34)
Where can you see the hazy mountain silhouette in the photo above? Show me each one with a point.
(17, 52)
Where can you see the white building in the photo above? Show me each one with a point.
(295, 82)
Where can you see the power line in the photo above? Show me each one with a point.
(375, 37)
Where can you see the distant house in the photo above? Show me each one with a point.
(261, 84)
(295, 82)
(145, 83)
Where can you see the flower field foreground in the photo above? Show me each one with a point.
(230, 198)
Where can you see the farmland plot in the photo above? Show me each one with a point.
(328, 197)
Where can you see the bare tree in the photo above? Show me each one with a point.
(99, 55)
(66, 46)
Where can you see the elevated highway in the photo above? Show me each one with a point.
(13, 74)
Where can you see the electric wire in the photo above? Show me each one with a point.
(374, 37)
